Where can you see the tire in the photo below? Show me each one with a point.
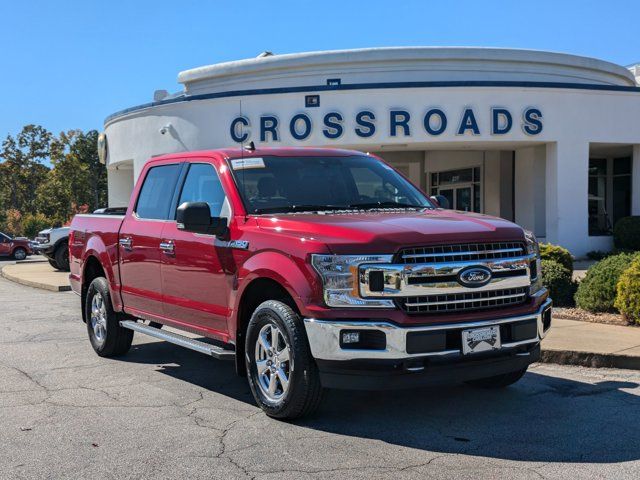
(54, 264)
(107, 337)
(303, 392)
(62, 256)
(499, 381)
(19, 253)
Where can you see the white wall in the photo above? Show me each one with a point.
(120, 185)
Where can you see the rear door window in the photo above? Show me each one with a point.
(156, 193)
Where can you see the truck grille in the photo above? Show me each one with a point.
(462, 253)
(463, 301)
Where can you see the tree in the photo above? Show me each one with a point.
(22, 169)
(30, 190)
(77, 177)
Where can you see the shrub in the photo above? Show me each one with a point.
(628, 292)
(557, 254)
(626, 233)
(32, 223)
(557, 278)
(597, 291)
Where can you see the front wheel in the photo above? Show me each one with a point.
(62, 256)
(282, 374)
(19, 253)
(107, 337)
(499, 381)
(54, 264)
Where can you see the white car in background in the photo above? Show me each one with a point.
(53, 243)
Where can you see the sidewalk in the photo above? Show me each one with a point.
(572, 342)
(37, 274)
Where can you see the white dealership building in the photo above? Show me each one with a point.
(548, 140)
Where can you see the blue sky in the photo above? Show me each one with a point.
(69, 64)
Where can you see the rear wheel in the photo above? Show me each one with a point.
(107, 337)
(62, 256)
(19, 253)
(499, 381)
(54, 264)
(282, 374)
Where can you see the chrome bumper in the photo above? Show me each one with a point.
(324, 337)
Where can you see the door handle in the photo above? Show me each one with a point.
(126, 243)
(167, 247)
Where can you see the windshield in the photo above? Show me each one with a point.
(297, 184)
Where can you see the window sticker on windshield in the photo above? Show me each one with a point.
(242, 163)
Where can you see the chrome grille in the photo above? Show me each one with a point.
(456, 302)
(462, 252)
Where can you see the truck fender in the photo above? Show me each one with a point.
(277, 267)
(96, 248)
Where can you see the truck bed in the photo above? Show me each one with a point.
(95, 234)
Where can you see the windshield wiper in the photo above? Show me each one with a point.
(384, 205)
(299, 208)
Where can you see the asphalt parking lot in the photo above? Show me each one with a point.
(167, 412)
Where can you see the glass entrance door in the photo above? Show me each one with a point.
(460, 187)
(459, 198)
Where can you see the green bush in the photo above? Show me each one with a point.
(557, 254)
(32, 223)
(628, 292)
(597, 291)
(558, 280)
(626, 233)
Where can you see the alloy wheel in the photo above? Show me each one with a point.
(99, 318)
(273, 362)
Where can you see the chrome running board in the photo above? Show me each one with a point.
(180, 340)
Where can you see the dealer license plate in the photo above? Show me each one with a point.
(480, 340)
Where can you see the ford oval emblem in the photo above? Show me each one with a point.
(474, 277)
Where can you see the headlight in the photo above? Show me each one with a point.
(339, 275)
(535, 266)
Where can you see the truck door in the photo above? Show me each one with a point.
(195, 283)
(140, 238)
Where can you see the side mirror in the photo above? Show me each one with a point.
(196, 217)
(441, 201)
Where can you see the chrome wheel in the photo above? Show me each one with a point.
(99, 319)
(20, 254)
(273, 362)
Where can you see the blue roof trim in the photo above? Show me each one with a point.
(373, 86)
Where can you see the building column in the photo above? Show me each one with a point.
(567, 184)
(635, 181)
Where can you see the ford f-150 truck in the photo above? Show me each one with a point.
(311, 269)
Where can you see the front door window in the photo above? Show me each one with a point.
(461, 187)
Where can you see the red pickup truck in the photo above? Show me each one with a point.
(311, 269)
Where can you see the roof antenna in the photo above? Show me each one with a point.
(250, 148)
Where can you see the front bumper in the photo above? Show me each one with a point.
(46, 250)
(410, 366)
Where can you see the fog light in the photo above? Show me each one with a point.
(350, 337)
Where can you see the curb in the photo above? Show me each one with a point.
(30, 283)
(589, 359)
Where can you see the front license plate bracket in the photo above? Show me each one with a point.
(477, 340)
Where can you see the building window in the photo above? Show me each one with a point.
(609, 193)
(461, 187)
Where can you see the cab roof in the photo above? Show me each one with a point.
(263, 151)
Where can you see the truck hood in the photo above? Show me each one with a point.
(386, 232)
